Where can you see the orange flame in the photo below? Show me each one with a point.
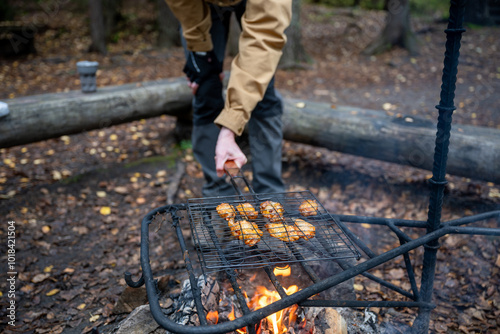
(264, 297)
(285, 271)
(231, 317)
(213, 317)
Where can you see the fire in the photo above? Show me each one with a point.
(285, 271)
(231, 317)
(264, 297)
(213, 317)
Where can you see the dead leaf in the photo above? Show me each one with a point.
(101, 194)
(94, 318)
(27, 288)
(105, 210)
(121, 190)
(68, 270)
(52, 292)
(40, 277)
(397, 273)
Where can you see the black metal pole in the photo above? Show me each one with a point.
(438, 180)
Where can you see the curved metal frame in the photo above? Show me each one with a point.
(435, 229)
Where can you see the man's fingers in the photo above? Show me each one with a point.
(219, 165)
(240, 161)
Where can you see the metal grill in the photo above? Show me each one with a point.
(219, 248)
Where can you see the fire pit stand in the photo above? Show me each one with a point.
(435, 229)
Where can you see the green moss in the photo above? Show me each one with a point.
(72, 179)
(159, 159)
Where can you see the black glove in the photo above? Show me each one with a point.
(200, 65)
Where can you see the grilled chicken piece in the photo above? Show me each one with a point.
(308, 208)
(226, 210)
(283, 232)
(247, 210)
(246, 231)
(271, 210)
(305, 230)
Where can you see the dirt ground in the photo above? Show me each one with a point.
(77, 200)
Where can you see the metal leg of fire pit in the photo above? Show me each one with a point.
(438, 180)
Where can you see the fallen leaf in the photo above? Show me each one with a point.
(56, 175)
(105, 210)
(94, 318)
(27, 288)
(494, 193)
(397, 273)
(81, 306)
(358, 287)
(121, 190)
(101, 194)
(40, 277)
(48, 269)
(45, 229)
(52, 292)
(68, 270)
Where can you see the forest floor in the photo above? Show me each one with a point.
(77, 200)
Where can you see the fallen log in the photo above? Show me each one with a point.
(406, 140)
(40, 117)
(474, 152)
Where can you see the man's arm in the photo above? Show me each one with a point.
(260, 47)
(261, 43)
(194, 17)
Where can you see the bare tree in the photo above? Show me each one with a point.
(104, 16)
(97, 31)
(397, 30)
(294, 53)
(168, 26)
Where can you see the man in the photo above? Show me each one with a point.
(251, 99)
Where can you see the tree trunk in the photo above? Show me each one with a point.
(234, 36)
(168, 27)
(397, 30)
(474, 151)
(111, 15)
(97, 31)
(294, 53)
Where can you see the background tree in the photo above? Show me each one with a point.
(397, 30)
(294, 53)
(168, 26)
(97, 33)
(104, 16)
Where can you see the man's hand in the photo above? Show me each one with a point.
(199, 66)
(194, 86)
(227, 149)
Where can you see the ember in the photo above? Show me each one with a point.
(213, 317)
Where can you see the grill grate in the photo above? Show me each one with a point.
(220, 248)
